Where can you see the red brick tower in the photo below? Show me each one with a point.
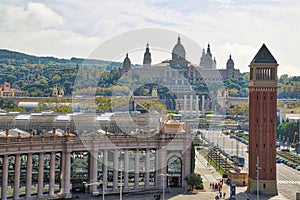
(262, 122)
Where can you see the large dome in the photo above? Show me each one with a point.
(178, 50)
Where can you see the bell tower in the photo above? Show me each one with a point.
(262, 123)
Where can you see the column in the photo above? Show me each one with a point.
(62, 173)
(94, 171)
(116, 170)
(191, 106)
(67, 174)
(4, 178)
(52, 174)
(184, 105)
(157, 167)
(136, 168)
(126, 171)
(104, 169)
(197, 106)
(161, 166)
(28, 175)
(17, 176)
(147, 168)
(41, 175)
(203, 105)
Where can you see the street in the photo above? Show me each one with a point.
(286, 176)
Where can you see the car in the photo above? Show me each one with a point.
(294, 166)
(290, 164)
(298, 168)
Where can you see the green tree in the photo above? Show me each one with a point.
(287, 130)
(193, 179)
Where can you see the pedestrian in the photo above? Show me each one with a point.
(209, 185)
(220, 194)
(224, 194)
(154, 196)
(158, 197)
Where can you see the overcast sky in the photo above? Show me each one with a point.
(68, 28)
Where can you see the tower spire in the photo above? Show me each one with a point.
(147, 57)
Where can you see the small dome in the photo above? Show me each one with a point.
(126, 62)
(230, 63)
(179, 49)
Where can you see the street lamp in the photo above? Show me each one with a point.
(164, 176)
(121, 168)
(121, 182)
(257, 177)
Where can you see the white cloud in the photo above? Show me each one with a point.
(73, 28)
(35, 28)
(33, 16)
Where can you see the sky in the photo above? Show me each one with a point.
(68, 28)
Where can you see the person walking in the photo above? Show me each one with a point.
(224, 194)
(154, 196)
(158, 196)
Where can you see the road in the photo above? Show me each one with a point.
(288, 179)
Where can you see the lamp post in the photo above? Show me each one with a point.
(121, 168)
(164, 176)
(121, 182)
(103, 192)
(257, 177)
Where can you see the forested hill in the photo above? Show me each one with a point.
(16, 58)
(37, 75)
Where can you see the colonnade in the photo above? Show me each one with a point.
(120, 163)
(193, 110)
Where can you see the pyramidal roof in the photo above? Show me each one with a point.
(263, 56)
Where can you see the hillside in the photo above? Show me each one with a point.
(18, 59)
(38, 75)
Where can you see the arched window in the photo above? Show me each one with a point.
(174, 172)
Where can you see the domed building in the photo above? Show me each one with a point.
(126, 69)
(179, 75)
(178, 56)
